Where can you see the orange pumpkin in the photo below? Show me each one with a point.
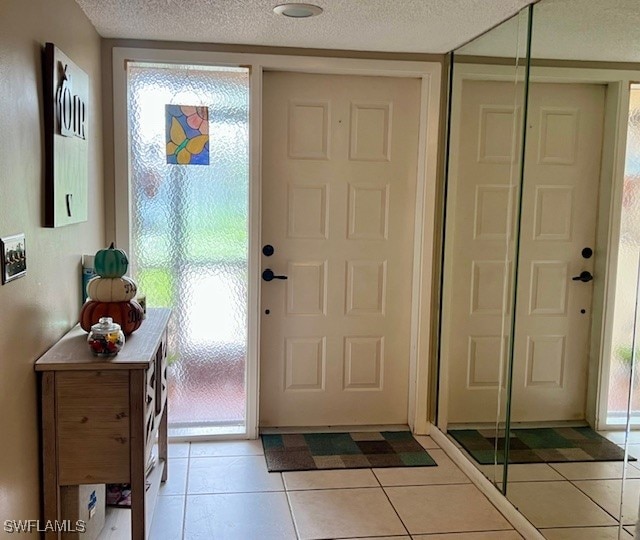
(127, 314)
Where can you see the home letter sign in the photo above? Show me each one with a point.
(70, 109)
(66, 95)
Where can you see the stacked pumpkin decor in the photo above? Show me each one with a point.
(111, 294)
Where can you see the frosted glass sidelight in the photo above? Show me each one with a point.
(628, 251)
(189, 232)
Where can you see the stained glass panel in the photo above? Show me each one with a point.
(187, 129)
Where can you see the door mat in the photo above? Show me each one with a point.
(312, 451)
(539, 445)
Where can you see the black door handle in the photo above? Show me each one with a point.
(585, 276)
(268, 275)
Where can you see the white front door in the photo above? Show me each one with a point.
(559, 211)
(339, 182)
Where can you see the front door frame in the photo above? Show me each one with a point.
(429, 74)
(617, 82)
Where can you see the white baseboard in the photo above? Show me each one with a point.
(333, 429)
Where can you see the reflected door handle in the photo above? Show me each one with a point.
(268, 275)
(584, 276)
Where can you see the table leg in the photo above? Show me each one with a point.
(49, 454)
(137, 395)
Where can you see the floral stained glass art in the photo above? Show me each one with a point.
(187, 129)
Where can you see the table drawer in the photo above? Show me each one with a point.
(92, 424)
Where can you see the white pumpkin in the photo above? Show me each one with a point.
(120, 289)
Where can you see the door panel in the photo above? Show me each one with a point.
(339, 181)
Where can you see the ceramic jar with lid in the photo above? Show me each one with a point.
(106, 338)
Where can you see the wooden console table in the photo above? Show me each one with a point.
(100, 417)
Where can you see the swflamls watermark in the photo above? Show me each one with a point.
(35, 525)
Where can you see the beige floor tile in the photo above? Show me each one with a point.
(614, 436)
(445, 508)
(618, 437)
(599, 470)
(530, 472)
(168, 518)
(178, 450)
(485, 535)
(446, 472)
(379, 538)
(426, 441)
(344, 513)
(631, 530)
(231, 475)
(238, 516)
(607, 494)
(176, 483)
(583, 533)
(556, 504)
(227, 448)
(348, 478)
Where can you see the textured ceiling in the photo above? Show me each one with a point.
(607, 30)
(596, 30)
(426, 26)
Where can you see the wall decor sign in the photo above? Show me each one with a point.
(13, 255)
(66, 104)
(187, 130)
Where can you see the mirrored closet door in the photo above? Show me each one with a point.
(487, 102)
(542, 240)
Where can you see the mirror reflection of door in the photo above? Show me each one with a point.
(558, 220)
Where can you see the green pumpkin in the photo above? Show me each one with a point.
(111, 262)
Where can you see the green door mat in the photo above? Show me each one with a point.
(539, 445)
(311, 451)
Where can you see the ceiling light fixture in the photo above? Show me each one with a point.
(298, 11)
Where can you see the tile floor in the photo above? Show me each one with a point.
(576, 500)
(223, 490)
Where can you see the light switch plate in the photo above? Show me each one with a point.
(14, 257)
